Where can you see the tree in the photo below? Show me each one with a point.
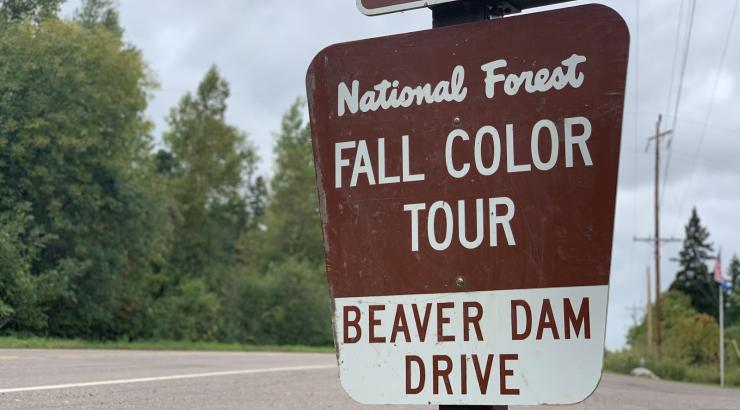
(282, 296)
(690, 337)
(74, 151)
(35, 10)
(210, 166)
(292, 225)
(209, 169)
(694, 278)
(732, 300)
(99, 13)
(18, 287)
(734, 274)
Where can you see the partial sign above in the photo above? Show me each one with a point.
(376, 7)
(467, 181)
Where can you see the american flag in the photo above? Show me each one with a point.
(721, 281)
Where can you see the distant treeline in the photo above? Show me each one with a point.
(689, 318)
(103, 237)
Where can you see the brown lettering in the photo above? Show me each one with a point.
(443, 320)
(463, 374)
(515, 335)
(422, 324)
(483, 376)
(400, 325)
(443, 373)
(582, 320)
(420, 364)
(547, 321)
(374, 322)
(504, 372)
(355, 324)
(469, 320)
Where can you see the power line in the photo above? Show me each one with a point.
(684, 61)
(711, 103)
(675, 55)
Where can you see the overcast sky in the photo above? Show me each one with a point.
(264, 47)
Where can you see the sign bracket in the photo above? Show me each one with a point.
(448, 14)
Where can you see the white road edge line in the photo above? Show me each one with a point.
(162, 378)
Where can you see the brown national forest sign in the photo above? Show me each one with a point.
(467, 181)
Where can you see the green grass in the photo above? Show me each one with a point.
(10, 342)
(623, 362)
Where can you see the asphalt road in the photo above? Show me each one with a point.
(98, 379)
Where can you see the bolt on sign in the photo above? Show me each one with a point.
(467, 178)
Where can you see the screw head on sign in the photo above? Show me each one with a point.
(456, 121)
(460, 281)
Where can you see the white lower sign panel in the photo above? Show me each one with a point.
(527, 346)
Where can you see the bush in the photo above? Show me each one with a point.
(624, 361)
(188, 312)
(621, 361)
(288, 304)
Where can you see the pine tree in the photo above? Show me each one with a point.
(732, 313)
(734, 274)
(694, 278)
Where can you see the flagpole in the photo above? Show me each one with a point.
(721, 337)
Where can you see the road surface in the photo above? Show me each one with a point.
(114, 379)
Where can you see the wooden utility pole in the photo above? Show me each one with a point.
(656, 239)
(649, 314)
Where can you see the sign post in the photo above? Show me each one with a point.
(467, 182)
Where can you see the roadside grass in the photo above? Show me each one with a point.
(12, 342)
(623, 362)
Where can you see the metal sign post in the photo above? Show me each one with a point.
(467, 185)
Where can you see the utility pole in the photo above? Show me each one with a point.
(656, 239)
(649, 314)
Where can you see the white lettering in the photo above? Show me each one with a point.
(454, 172)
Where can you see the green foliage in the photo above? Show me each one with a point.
(689, 337)
(732, 345)
(209, 166)
(626, 360)
(291, 221)
(732, 299)
(103, 239)
(694, 340)
(284, 283)
(18, 297)
(35, 10)
(187, 312)
(74, 146)
(287, 304)
(32, 342)
(734, 273)
(693, 277)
